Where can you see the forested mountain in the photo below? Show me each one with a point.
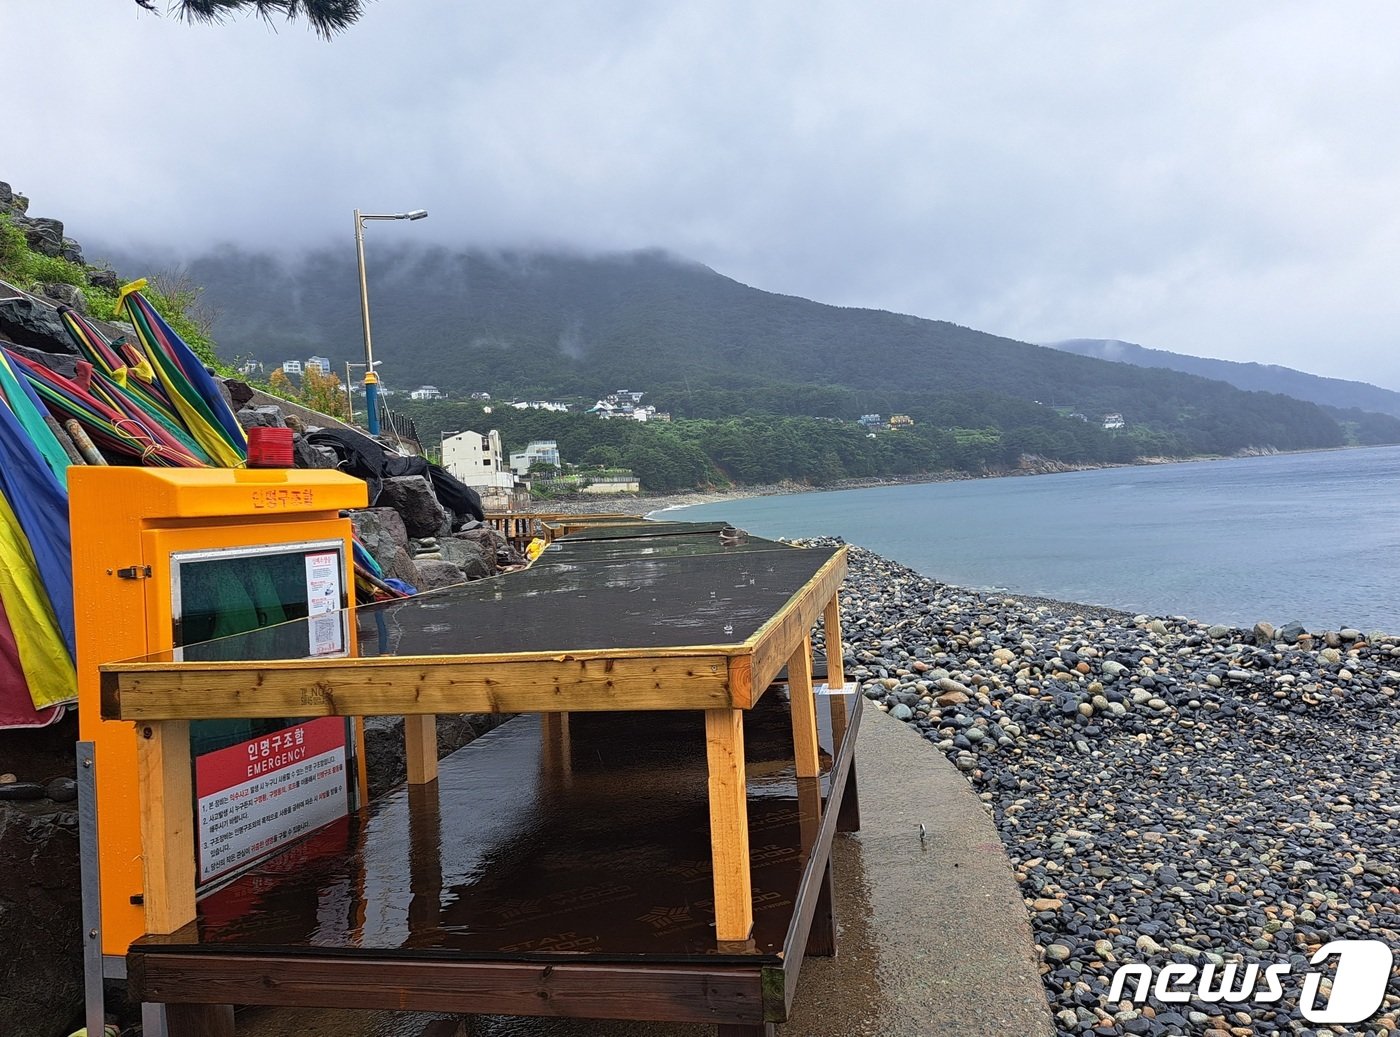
(1329, 392)
(704, 346)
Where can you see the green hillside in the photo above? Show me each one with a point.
(703, 346)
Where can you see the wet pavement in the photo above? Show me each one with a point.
(934, 936)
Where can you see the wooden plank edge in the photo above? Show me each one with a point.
(361, 688)
(809, 888)
(643, 992)
(770, 647)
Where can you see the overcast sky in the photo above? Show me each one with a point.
(1221, 179)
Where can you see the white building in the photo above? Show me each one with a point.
(542, 451)
(291, 367)
(478, 461)
(1113, 421)
(540, 405)
(319, 363)
(426, 392)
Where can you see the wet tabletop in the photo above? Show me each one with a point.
(522, 849)
(643, 586)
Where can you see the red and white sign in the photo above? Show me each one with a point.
(259, 794)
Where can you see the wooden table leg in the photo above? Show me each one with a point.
(556, 750)
(420, 748)
(199, 1020)
(729, 824)
(848, 817)
(424, 862)
(166, 798)
(821, 937)
(806, 750)
(835, 650)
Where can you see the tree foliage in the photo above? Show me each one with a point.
(326, 17)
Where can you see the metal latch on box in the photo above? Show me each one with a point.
(134, 572)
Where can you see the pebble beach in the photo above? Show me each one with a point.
(1166, 791)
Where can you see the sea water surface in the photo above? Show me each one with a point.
(1311, 537)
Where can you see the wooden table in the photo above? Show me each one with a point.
(653, 617)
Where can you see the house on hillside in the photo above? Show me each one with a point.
(426, 392)
(320, 364)
(291, 367)
(1113, 421)
(870, 421)
(549, 405)
(479, 461)
(537, 451)
(625, 403)
(901, 421)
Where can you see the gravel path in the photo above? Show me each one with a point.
(1166, 791)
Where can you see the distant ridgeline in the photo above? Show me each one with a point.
(762, 387)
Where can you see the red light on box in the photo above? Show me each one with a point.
(269, 447)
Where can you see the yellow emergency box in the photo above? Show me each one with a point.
(170, 559)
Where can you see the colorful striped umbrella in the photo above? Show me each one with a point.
(37, 506)
(186, 382)
(123, 432)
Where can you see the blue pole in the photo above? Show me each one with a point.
(372, 401)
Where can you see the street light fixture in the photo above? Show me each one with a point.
(371, 378)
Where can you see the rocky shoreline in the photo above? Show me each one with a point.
(1166, 791)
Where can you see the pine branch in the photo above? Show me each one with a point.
(326, 17)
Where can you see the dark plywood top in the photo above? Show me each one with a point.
(666, 585)
(524, 850)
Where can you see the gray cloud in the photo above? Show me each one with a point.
(1217, 179)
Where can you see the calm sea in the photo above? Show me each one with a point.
(1310, 537)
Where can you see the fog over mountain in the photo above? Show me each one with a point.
(1209, 178)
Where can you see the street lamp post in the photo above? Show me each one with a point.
(349, 396)
(371, 378)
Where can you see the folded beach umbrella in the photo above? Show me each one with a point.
(186, 382)
(125, 365)
(19, 396)
(38, 505)
(111, 428)
(35, 624)
(16, 707)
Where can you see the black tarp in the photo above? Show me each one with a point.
(362, 457)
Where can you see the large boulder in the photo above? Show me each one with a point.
(412, 497)
(65, 295)
(467, 555)
(492, 544)
(382, 533)
(42, 234)
(11, 203)
(65, 364)
(261, 417)
(36, 325)
(436, 572)
(309, 455)
(41, 917)
(107, 280)
(41, 971)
